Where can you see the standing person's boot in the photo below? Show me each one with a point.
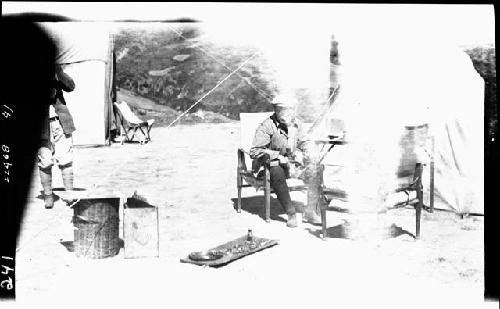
(67, 176)
(46, 180)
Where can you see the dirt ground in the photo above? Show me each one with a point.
(189, 173)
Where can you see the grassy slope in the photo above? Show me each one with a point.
(164, 115)
(141, 52)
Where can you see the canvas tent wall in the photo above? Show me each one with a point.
(409, 82)
(85, 49)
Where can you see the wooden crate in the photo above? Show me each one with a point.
(140, 229)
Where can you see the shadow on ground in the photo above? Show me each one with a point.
(343, 231)
(337, 231)
(256, 205)
(41, 197)
(70, 244)
(135, 141)
(396, 231)
(54, 192)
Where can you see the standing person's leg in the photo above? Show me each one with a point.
(314, 198)
(63, 155)
(45, 163)
(67, 176)
(280, 187)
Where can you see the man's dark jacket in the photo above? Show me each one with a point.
(63, 82)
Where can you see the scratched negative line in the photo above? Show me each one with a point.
(260, 91)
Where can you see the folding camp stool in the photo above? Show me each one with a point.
(134, 124)
(144, 127)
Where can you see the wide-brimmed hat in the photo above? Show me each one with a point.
(284, 100)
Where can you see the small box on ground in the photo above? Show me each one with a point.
(140, 229)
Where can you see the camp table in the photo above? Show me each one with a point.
(332, 140)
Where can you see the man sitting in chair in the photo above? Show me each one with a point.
(275, 140)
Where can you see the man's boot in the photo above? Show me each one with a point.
(46, 179)
(292, 220)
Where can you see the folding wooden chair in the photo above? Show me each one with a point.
(245, 177)
(415, 183)
(134, 124)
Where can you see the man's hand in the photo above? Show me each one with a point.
(64, 81)
(283, 159)
(299, 158)
(58, 131)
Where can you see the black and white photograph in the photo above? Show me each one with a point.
(222, 155)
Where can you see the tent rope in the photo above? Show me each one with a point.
(210, 91)
(329, 104)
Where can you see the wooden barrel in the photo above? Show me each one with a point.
(96, 222)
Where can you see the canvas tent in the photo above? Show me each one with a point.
(86, 51)
(408, 82)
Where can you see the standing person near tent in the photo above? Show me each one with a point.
(276, 139)
(56, 140)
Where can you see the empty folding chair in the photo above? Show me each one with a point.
(134, 124)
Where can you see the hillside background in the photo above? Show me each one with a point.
(484, 60)
(175, 66)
